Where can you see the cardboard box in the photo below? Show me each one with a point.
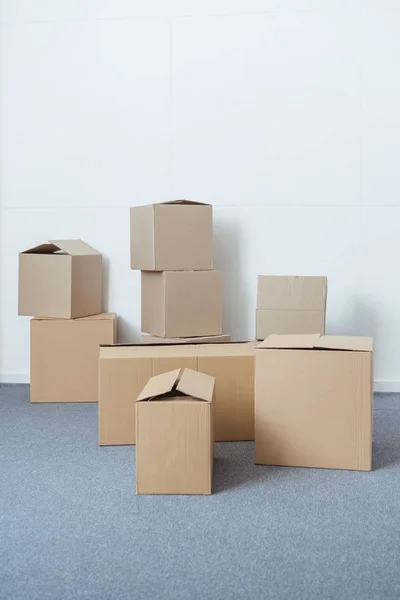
(147, 338)
(172, 236)
(65, 355)
(174, 433)
(61, 279)
(125, 369)
(290, 305)
(182, 303)
(313, 402)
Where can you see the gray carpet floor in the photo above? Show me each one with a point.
(72, 527)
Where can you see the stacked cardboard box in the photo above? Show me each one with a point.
(290, 305)
(172, 244)
(60, 285)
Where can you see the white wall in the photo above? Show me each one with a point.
(282, 113)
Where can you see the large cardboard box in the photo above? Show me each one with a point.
(313, 402)
(147, 338)
(65, 355)
(61, 279)
(172, 236)
(175, 434)
(182, 303)
(125, 369)
(287, 305)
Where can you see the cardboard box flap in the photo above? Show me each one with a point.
(196, 384)
(159, 385)
(188, 202)
(343, 342)
(42, 249)
(300, 341)
(74, 247)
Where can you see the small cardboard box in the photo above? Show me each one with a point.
(125, 369)
(313, 402)
(175, 434)
(290, 305)
(147, 338)
(172, 236)
(64, 357)
(61, 279)
(182, 303)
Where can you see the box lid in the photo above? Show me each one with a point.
(187, 382)
(99, 317)
(187, 202)
(318, 342)
(71, 247)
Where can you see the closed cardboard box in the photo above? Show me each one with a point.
(182, 303)
(172, 236)
(287, 305)
(125, 369)
(174, 433)
(208, 339)
(61, 279)
(65, 355)
(313, 402)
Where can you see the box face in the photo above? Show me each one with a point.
(86, 285)
(45, 285)
(172, 236)
(320, 416)
(153, 302)
(174, 448)
(147, 338)
(290, 305)
(64, 357)
(124, 370)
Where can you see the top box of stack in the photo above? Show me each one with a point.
(290, 305)
(172, 236)
(60, 279)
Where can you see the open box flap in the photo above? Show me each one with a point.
(198, 385)
(188, 202)
(74, 247)
(158, 385)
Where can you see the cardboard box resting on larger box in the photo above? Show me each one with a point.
(313, 402)
(175, 434)
(182, 303)
(61, 279)
(124, 370)
(172, 236)
(147, 338)
(65, 357)
(287, 305)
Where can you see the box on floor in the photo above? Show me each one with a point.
(182, 303)
(64, 357)
(147, 338)
(172, 236)
(287, 305)
(320, 415)
(60, 279)
(125, 369)
(174, 434)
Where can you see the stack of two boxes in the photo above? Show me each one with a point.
(60, 285)
(172, 244)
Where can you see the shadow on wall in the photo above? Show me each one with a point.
(235, 300)
(106, 283)
(126, 333)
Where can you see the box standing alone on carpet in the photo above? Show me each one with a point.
(65, 355)
(320, 416)
(172, 236)
(124, 371)
(288, 305)
(61, 279)
(182, 303)
(174, 433)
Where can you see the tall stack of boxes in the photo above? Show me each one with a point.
(172, 244)
(60, 285)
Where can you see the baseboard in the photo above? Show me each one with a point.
(23, 377)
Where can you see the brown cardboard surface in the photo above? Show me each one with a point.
(175, 444)
(182, 303)
(172, 236)
(147, 338)
(62, 279)
(290, 305)
(125, 369)
(64, 357)
(320, 416)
